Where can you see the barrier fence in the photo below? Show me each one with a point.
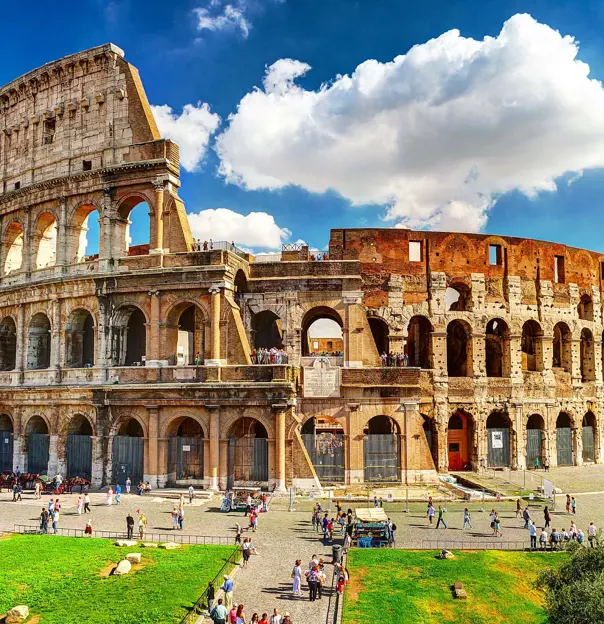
(474, 545)
(178, 538)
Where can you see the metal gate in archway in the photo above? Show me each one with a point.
(326, 452)
(185, 458)
(587, 436)
(382, 458)
(6, 451)
(79, 456)
(564, 446)
(534, 447)
(248, 460)
(498, 451)
(38, 453)
(128, 459)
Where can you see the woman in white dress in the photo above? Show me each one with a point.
(110, 496)
(297, 576)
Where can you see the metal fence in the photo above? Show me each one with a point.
(473, 545)
(176, 537)
(202, 601)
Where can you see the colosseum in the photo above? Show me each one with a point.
(455, 351)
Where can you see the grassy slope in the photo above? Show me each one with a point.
(414, 586)
(59, 579)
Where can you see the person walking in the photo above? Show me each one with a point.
(297, 577)
(55, 521)
(129, 526)
(519, 509)
(275, 617)
(191, 494)
(546, 516)
(431, 513)
(142, 526)
(118, 494)
(238, 531)
(227, 588)
(441, 519)
(543, 539)
(533, 535)
(174, 518)
(466, 519)
(87, 503)
(592, 535)
(38, 490)
(568, 503)
(527, 517)
(88, 528)
(240, 615)
(44, 520)
(245, 551)
(325, 525)
(110, 496)
(181, 517)
(80, 505)
(497, 527)
(219, 613)
(573, 505)
(128, 485)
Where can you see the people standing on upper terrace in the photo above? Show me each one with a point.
(268, 356)
(394, 359)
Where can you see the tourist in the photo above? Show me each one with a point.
(264, 619)
(118, 494)
(573, 505)
(391, 533)
(297, 577)
(129, 526)
(431, 513)
(80, 505)
(547, 516)
(38, 489)
(210, 593)
(533, 535)
(238, 531)
(518, 509)
(255, 619)
(466, 519)
(142, 526)
(572, 530)
(58, 482)
(128, 485)
(86, 503)
(248, 505)
(441, 519)
(526, 516)
(17, 491)
(546, 465)
(315, 522)
(219, 613)
(232, 619)
(543, 539)
(227, 588)
(245, 551)
(564, 536)
(44, 520)
(264, 502)
(313, 581)
(580, 536)
(325, 526)
(174, 518)
(592, 535)
(88, 529)
(347, 541)
(55, 520)
(110, 496)
(18, 473)
(568, 503)
(57, 506)
(275, 618)
(181, 517)
(554, 539)
(286, 618)
(497, 526)
(191, 494)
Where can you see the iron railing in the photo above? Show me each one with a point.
(472, 545)
(212, 245)
(202, 601)
(148, 536)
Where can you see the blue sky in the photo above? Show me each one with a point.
(406, 151)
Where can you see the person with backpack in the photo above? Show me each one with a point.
(219, 613)
(441, 518)
(391, 533)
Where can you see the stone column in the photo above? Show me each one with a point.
(152, 358)
(355, 469)
(153, 468)
(214, 446)
(53, 458)
(353, 346)
(439, 353)
(223, 464)
(62, 235)
(28, 249)
(21, 346)
(575, 370)
(516, 356)
(159, 186)
(477, 365)
(97, 460)
(280, 473)
(215, 359)
(107, 231)
(55, 349)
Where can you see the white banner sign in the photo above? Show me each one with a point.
(548, 488)
(496, 439)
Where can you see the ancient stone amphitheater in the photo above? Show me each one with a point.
(136, 361)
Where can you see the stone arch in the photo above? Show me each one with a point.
(459, 349)
(590, 447)
(535, 441)
(232, 416)
(185, 449)
(78, 241)
(248, 451)
(565, 440)
(129, 335)
(588, 364)
(497, 348)
(45, 240)
(80, 339)
(532, 346)
(185, 336)
(36, 444)
(8, 344)
(13, 246)
(458, 297)
(585, 309)
(418, 345)
(562, 347)
(38, 342)
(76, 447)
(382, 449)
(6, 442)
(315, 314)
(36, 423)
(460, 440)
(130, 424)
(121, 236)
(499, 439)
(323, 437)
(130, 435)
(380, 332)
(431, 432)
(267, 330)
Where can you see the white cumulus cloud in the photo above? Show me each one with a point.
(191, 129)
(214, 17)
(256, 229)
(436, 135)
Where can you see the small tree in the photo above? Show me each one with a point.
(575, 588)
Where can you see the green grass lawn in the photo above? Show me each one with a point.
(61, 580)
(416, 587)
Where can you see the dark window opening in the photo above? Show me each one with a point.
(86, 165)
(559, 269)
(495, 255)
(49, 131)
(17, 186)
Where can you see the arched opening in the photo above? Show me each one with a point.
(38, 445)
(589, 437)
(6, 443)
(13, 245)
(322, 332)
(185, 331)
(419, 345)
(85, 234)
(38, 342)
(46, 239)
(497, 348)
(564, 440)
(8, 344)
(382, 450)
(532, 346)
(248, 452)
(499, 450)
(459, 349)
(128, 452)
(562, 347)
(129, 337)
(79, 339)
(323, 438)
(379, 331)
(585, 309)
(535, 441)
(431, 433)
(79, 448)
(460, 433)
(588, 369)
(185, 452)
(457, 297)
(133, 227)
(266, 330)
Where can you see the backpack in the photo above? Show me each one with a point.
(393, 527)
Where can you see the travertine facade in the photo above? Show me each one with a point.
(137, 361)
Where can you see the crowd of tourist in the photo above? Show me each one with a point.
(394, 359)
(326, 354)
(269, 356)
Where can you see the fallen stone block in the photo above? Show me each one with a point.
(123, 567)
(133, 557)
(128, 543)
(460, 594)
(169, 545)
(17, 614)
(458, 585)
(149, 545)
